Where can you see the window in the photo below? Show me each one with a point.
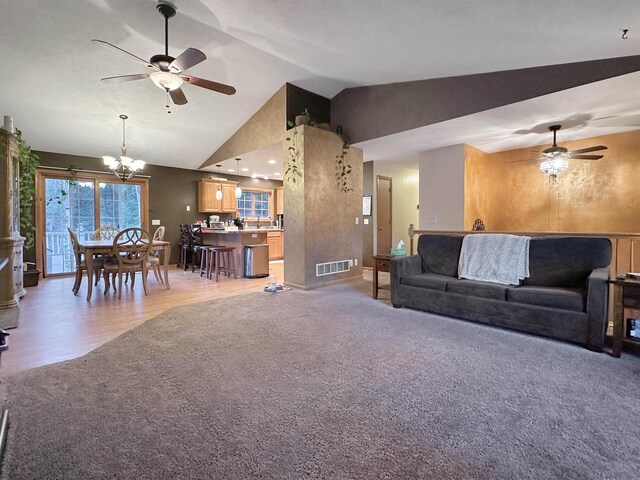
(253, 204)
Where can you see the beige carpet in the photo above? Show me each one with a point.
(325, 384)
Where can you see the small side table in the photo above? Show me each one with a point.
(381, 263)
(626, 294)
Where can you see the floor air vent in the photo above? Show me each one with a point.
(330, 268)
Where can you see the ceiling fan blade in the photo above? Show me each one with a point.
(110, 45)
(208, 84)
(518, 161)
(187, 59)
(587, 157)
(590, 149)
(178, 96)
(125, 78)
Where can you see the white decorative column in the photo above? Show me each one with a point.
(11, 243)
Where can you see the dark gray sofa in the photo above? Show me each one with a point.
(565, 297)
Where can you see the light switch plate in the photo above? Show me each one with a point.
(188, 208)
(155, 222)
(366, 221)
(357, 220)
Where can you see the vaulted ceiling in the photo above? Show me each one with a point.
(51, 81)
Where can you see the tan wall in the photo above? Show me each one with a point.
(323, 227)
(404, 201)
(591, 196)
(266, 127)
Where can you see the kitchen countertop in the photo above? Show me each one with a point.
(246, 230)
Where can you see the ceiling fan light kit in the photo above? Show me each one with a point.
(125, 168)
(555, 160)
(166, 81)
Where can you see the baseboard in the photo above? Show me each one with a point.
(323, 284)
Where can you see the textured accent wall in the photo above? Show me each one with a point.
(591, 196)
(379, 110)
(320, 219)
(266, 127)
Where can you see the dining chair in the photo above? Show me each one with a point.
(130, 255)
(154, 255)
(105, 233)
(81, 265)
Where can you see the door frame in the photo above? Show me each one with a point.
(40, 208)
(378, 178)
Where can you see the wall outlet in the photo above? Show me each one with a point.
(431, 220)
(155, 222)
(366, 221)
(357, 220)
(188, 208)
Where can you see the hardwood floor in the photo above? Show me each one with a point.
(55, 325)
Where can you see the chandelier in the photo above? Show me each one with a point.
(125, 168)
(553, 165)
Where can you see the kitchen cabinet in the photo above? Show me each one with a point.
(275, 240)
(229, 201)
(279, 201)
(207, 202)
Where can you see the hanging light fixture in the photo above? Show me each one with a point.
(554, 166)
(218, 192)
(125, 168)
(238, 189)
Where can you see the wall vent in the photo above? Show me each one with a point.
(331, 268)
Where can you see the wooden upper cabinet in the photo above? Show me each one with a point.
(279, 201)
(229, 201)
(207, 202)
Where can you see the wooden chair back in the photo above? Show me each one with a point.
(105, 233)
(159, 234)
(75, 244)
(131, 247)
(196, 234)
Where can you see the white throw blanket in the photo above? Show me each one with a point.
(498, 258)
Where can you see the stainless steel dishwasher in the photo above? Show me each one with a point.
(256, 261)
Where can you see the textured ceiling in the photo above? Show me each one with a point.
(52, 70)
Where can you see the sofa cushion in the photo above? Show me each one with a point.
(566, 262)
(478, 289)
(426, 280)
(440, 253)
(553, 297)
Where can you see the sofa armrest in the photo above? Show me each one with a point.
(597, 306)
(403, 267)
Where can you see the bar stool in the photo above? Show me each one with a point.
(225, 261)
(208, 260)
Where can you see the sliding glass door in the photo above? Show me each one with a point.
(82, 204)
(67, 204)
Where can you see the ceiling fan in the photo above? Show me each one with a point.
(168, 71)
(555, 160)
(555, 151)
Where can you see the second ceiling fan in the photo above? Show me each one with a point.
(555, 151)
(169, 72)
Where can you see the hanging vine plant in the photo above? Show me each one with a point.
(343, 169)
(294, 169)
(29, 163)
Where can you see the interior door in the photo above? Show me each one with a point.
(383, 215)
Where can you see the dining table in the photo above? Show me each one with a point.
(105, 246)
